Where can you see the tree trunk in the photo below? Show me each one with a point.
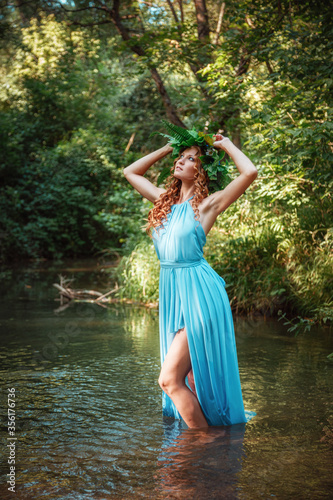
(202, 20)
(219, 24)
(170, 110)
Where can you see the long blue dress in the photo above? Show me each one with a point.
(193, 295)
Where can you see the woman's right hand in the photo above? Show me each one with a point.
(220, 141)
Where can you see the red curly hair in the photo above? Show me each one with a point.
(162, 206)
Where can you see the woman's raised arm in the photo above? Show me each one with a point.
(238, 186)
(134, 173)
(216, 203)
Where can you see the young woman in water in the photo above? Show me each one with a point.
(199, 374)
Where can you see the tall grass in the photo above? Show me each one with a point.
(138, 274)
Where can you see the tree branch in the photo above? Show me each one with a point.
(244, 63)
(136, 47)
(173, 11)
(270, 71)
(82, 9)
(170, 110)
(180, 3)
(219, 23)
(89, 25)
(122, 30)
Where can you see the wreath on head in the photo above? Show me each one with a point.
(212, 160)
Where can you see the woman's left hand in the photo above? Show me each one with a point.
(220, 141)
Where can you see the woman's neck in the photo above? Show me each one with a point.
(185, 195)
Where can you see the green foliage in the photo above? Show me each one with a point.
(122, 217)
(44, 84)
(64, 205)
(62, 148)
(274, 250)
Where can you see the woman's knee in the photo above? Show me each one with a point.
(168, 383)
(164, 381)
(176, 364)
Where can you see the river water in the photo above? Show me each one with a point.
(88, 405)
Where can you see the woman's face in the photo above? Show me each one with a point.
(185, 168)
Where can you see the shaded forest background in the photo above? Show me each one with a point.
(85, 83)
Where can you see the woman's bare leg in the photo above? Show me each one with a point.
(176, 366)
(190, 380)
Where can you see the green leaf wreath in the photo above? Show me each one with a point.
(212, 159)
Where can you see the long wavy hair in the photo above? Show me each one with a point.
(162, 206)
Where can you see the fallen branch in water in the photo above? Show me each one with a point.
(68, 293)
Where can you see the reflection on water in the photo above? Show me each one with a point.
(88, 412)
(201, 461)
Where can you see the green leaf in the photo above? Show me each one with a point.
(163, 175)
(178, 133)
(209, 139)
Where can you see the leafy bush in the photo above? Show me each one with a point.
(67, 201)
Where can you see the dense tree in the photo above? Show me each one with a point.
(83, 85)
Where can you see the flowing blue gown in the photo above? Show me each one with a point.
(193, 295)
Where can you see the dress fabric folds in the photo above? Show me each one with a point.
(193, 295)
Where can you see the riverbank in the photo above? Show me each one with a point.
(262, 279)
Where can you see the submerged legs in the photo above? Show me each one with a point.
(176, 366)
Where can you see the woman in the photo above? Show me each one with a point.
(199, 375)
